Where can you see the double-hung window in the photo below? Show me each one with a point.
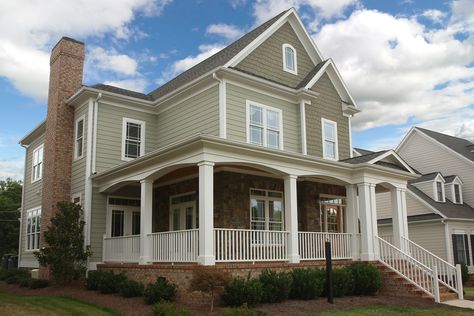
(264, 127)
(461, 249)
(457, 194)
(329, 131)
(79, 138)
(33, 229)
(37, 164)
(439, 191)
(289, 59)
(133, 139)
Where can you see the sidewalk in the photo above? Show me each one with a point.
(459, 303)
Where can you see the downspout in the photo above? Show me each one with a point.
(94, 132)
(222, 106)
(22, 207)
(447, 241)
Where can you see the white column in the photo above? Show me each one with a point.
(206, 213)
(352, 219)
(291, 218)
(146, 211)
(368, 220)
(399, 216)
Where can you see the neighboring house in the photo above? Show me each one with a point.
(245, 157)
(440, 202)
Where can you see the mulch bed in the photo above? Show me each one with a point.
(136, 306)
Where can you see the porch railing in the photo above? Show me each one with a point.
(122, 249)
(175, 246)
(250, 245)
(311, 245)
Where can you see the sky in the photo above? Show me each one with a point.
(406, 62)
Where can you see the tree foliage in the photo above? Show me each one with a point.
(10, 202)
(65, 253)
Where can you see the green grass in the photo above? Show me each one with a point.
(397, 311)
(43, 305)
(469, 290)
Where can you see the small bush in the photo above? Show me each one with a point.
(241, 291)
(110, 282)
(93, 280)
(18, 273)
(24, 282)
(209, 281)
(343, 282)
(131, 288)
(242, 311)
(162, 289)
(38, 283)
(169, 309)
(276, 286)
(464, 273)
(307, 283)
(366, 279)
(13, 279)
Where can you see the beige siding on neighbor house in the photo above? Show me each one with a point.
(78, 172)
(327, 105)
(427, 188)
(236, 116)
(32, 199)
(427, 157)
(267, 59)
(197, 115)
(98, 220)
(414, 206)
(109, 134)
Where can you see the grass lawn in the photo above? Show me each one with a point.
(42, 305)
(469, 290)
(396, 311)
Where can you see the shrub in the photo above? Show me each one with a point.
(276, 286)
(131, 288)
(464, 273)
(241, 291)
(169, 309)
(17, 273)
(307, 283)
(366, 279)
(162, 289)
(242, 311)
(38, 283)
(110, 282)
(93, 280)
(343, 282)
(208, 281)
(25, 282)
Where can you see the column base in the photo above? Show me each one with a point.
(206, 260)
(144, 260)
(294, 258)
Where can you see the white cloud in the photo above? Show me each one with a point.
(436, 16)
(237, 3)
(229, 32)
(138, 84)
(112, 61)
(31, 27)
(459, 124)
(12, 168)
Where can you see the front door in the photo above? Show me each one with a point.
(332, 218)
(183, 216)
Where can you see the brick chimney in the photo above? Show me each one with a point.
(65, 78)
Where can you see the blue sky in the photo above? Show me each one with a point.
(406, 62)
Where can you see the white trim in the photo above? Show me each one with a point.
(37, 215)
(126, 120)
(265, 108)
(94, 135)
(266, 210)
(435, 190)
(127, 215)
(83, 119)
(259, 90)
(396, 156)
(180, 206)
(33, 179)
(223, 109)
(79, 196)
(304, 144)
(336, 143)
(349, 121)
(285, 62)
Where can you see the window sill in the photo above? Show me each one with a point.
(78, 158)
(36, 180)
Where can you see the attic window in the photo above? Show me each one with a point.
(457, 194)
(289, 59)
(439, 191)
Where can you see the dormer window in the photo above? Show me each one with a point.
(289, 59)
(439, 191)
(457, 194)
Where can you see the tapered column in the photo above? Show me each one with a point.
(399, 216)
(368, 220)
(206, 213)
(146, 211)
(352, 219)
(291, 218)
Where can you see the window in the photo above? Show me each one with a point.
(266, 210)
(79, 138)
(329, 131)
(332, 214)
(33, 229)
(37, 164)
(461, 249)
(133, 139)
(264, 127)
(135, 223)
(457, 194)
(183, 213)
(439, 191)
(123, 216)
(76, 198)
(289, 59)
(117, 223)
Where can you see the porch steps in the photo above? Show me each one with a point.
(394, 284)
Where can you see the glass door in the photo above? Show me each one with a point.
(332, 218)
(183, 216)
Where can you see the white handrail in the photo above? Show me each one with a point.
(121, 248)
(175, 246)
(311, 245)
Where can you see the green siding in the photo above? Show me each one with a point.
(98, 219)
(78, 172)
(199, 114)
(32, 196)
(109, 134)
(236, 116)
(267, 59)
(326, 105)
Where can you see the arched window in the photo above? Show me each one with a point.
(289, 59)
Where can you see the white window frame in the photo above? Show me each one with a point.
(267, 199)
(180, 205)
(265, 108)
(29, 244)
(460, 193)
(435, 185)
(285, 62)
(41, 163)
(76, 139)
(77, 196)
(127, 215)
(336, 142)
(124, 136)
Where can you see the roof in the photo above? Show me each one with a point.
(121, 91)
(363, 151)
(364, 158)
(450, 179)
(412, 218)
(311, 74)
(426, 177)
(448, 208)
(34, 133)
(460, 145)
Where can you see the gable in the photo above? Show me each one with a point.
(267, 59)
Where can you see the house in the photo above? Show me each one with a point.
(245, 157)
(440, 202)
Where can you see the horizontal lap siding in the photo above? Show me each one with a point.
(79, 166)
(456, 227)
(197, 115)
(236, 116)
(98, 218)
(109, 134)
(414, 206)
(427, 188)
(327, 105)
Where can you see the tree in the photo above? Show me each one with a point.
(209, 281)
(10, 201)
(65, 253)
